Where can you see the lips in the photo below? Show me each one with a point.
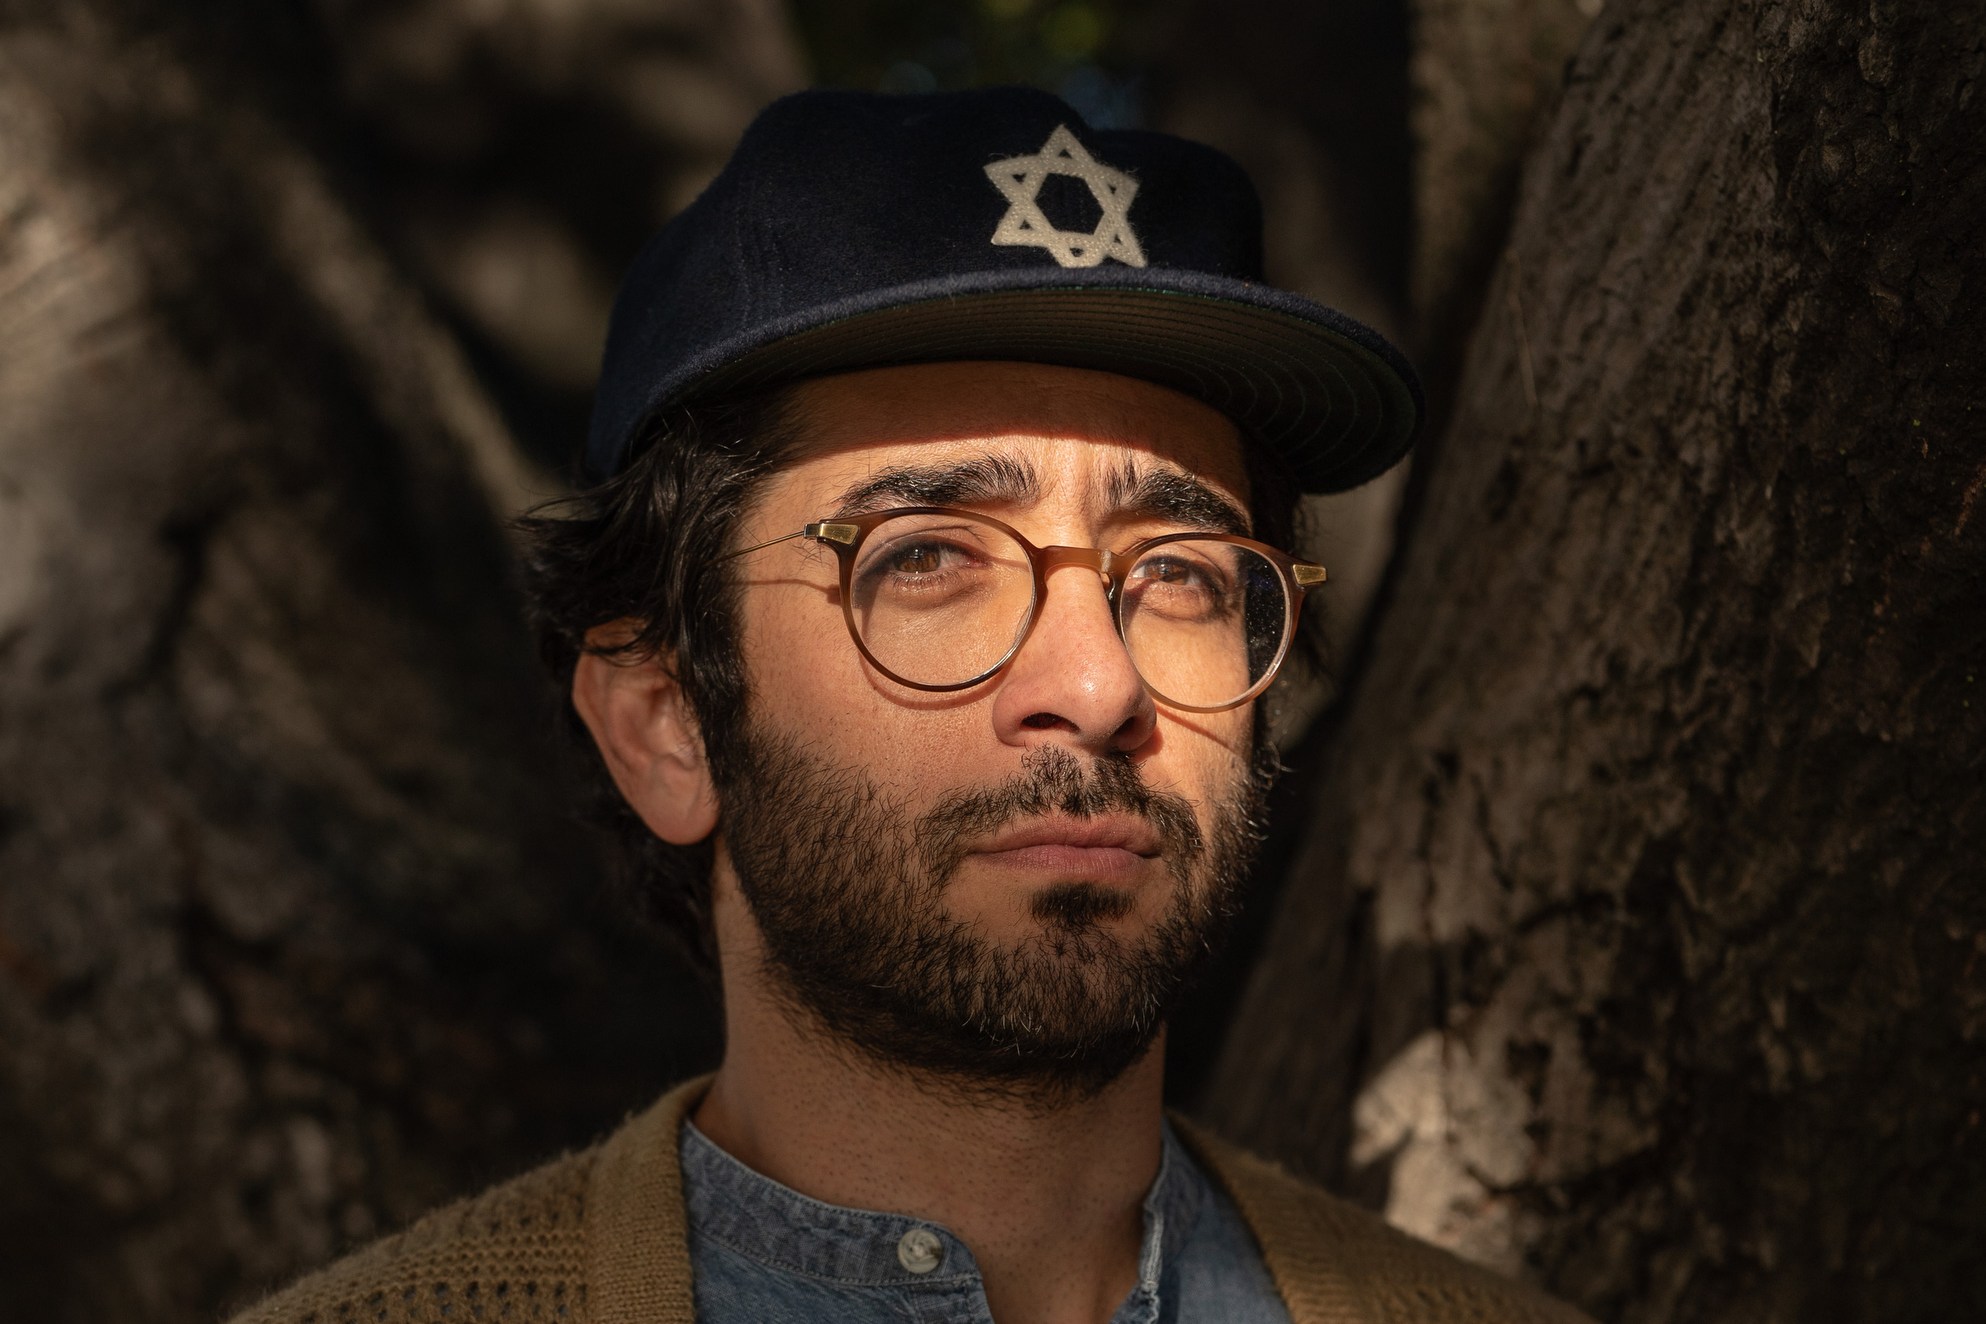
(1106, 849)
(1124, 832)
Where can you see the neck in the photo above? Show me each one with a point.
(1049, 1199)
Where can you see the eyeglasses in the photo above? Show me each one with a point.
(940, 599)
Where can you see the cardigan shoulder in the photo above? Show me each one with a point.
(516, 1251)
(1338, 1264)
(597, 1238)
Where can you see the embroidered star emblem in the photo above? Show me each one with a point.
(1019, 180)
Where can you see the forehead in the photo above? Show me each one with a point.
(1080, 434)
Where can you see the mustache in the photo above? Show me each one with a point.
(1051, 780)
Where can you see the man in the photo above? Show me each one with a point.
(920, 611)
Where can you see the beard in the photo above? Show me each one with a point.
(848, 888)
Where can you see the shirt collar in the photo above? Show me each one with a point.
(777, 1226)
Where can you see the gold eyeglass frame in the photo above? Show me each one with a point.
(846, 537)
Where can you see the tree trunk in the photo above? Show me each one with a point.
(1485, 73)
(1641, 905)
(296, 938)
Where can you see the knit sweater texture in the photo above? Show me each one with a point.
(599, 1237)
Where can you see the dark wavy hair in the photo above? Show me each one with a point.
(644, 546)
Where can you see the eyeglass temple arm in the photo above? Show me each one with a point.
(825, 531)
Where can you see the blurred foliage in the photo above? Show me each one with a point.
(1092, 53)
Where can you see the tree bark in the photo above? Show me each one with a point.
(1485, 76)
(1640, 910)
(296, 936)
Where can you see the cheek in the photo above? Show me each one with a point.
(810, 685)
(798, 659)
(1202, 753)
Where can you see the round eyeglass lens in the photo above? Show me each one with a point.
(1204, 620)
(940, 599)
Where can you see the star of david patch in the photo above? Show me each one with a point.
(1019, 180)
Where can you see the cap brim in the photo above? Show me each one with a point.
(1328, 395)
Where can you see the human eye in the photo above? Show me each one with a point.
(925, 552)
(1182, 582)
(926, 560)
(1170, 570)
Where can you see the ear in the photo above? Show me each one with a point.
(647, 737)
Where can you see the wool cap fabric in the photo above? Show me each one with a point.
(853, 230)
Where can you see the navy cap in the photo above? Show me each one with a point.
(854, 230)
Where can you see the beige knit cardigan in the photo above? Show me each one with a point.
(599, 1238)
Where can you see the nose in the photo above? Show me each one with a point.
(1072, 682)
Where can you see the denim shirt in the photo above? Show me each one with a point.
(765, 1254)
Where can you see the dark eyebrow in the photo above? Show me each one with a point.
(1177, 498)
(984, 480)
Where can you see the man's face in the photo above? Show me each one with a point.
(1007, 884)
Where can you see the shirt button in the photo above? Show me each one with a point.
(920, 1251)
